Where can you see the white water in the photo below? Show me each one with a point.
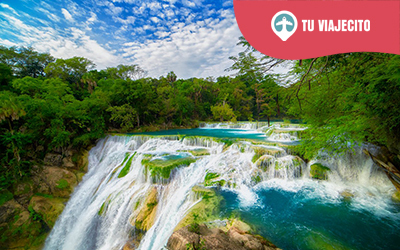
(81, 227)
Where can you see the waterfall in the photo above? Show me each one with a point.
(103, 209)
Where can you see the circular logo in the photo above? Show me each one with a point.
(284, 24)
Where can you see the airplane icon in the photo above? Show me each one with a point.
(284, 22)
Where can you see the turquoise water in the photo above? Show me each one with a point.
(230, 133)
(296, 220)
(218, 133)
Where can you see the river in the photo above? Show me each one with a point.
(274, 193)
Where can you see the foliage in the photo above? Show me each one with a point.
(223, 112)
(125, 115)
(57, 104)
(5, 196)
(62, 184)
(194, 228)
(348, 99)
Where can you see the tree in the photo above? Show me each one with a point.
(125, 72)
(125, 115)
(11, 109)
(70, 70)
(171, 77)
(223, 112)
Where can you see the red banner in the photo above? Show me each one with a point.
(308, 29)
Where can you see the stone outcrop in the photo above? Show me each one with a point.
(197, 236)
(48, 208)
(147, 214)
(319, 171)
(34, 204)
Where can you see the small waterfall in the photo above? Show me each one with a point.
(103, 210)
(235, 125)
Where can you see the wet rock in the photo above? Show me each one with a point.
(319, 171)
(216, 239)
(147, 214)
(82, 160)
(347, 195)
(205, 210)
(182, 238)
(48, 208)
(396, 197)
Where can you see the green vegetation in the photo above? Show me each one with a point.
(197, 152)
(162, 168)
(319, 171)
(260, 151)
(49, 104)
(206, 210)
(209, 180)
(5, 196)
(62, 184)
(127, 166)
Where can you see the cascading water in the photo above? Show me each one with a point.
(103, 210)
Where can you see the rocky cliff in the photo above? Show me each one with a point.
(30, 208)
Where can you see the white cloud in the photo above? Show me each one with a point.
(93, 18)
(112, 9)
(67, 15)
(6, 6)
(193, 50)
(7, 43)
(155, 19)
(154, 6)
(128, 20)
(72, 42)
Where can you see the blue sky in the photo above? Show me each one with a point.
(192, 38)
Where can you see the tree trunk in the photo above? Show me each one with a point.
(268, 120)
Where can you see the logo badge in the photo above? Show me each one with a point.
(284, 24)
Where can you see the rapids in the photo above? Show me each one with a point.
(262, 184)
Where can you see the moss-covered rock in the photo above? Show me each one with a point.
(199, 236)
(197, 152)
(210, 180)
(127, 167)
(161, 168)
(60, 181)
(19, 229)
(205, 210)
(396, 196)
(104, 206)
(319, 171)
(48, 208)
(147, 214)
(264, 162)
(323, 240)
(260, 151)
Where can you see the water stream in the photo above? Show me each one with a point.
(274, 193)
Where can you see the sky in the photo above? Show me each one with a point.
(192, 38)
